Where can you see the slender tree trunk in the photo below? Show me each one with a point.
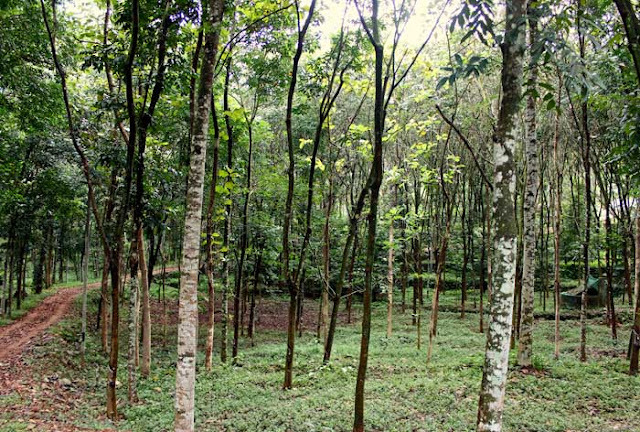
(483, 260)
(586, 150)
(635, 332)
(288, 278)
(557, 220)
(631, 24)
(609, 265)
(496, 363)
(326, 259)
(188, 310)
(442, 254)
(375, 175)
(252, 308)
(133, 338)
(20, 271)
(39, 260)
(227, 234)
(466, 234)
(11, 251)
(211, 299)
(5, 280)
(146, 309)
(104, 307)
(627, 269)
(85, 282)
(390, 259)
(525, 345)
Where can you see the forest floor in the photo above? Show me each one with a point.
(19, 342)
(49, 388)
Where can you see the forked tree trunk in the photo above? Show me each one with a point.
(375, 181)
(496, 362)
(188, 310)
(287, 277)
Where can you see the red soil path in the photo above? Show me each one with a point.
(15, 337)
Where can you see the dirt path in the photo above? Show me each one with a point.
(15, 337)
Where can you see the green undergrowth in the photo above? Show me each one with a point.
(403, 393)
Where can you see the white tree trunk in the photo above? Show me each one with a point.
(496, 363)
(530, 198)
(188, 310)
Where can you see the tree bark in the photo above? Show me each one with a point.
(557, 219)
(632, 28)
(211, 299)
(635, 332)
(188, 310)
(372, 219)
(390, 260)
(494, 378)
(145, 367)
(525, 345)
(585, 138)
(85, 282)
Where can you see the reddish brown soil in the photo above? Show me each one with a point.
(33, 400)
(15, 337)
(271, 314)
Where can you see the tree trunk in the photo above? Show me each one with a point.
(631, 24)
(146, 309)
(39, 265)
(442, 254)
(635, 332)
(525, 345)
(251, 329)
(557, 220)
(188, 310)
(290, 280)
(211, 299)
(376, 180)
(390, 259)
(85, 282)
(496, 363)
(133, 340)
(585, 139)
(326, 259)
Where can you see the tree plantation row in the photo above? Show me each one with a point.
(324, 152)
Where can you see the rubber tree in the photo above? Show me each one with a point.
(290, 278)
(525, 343)
(494, 376)
(188, 311)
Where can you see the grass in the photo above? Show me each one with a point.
(403, 393)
